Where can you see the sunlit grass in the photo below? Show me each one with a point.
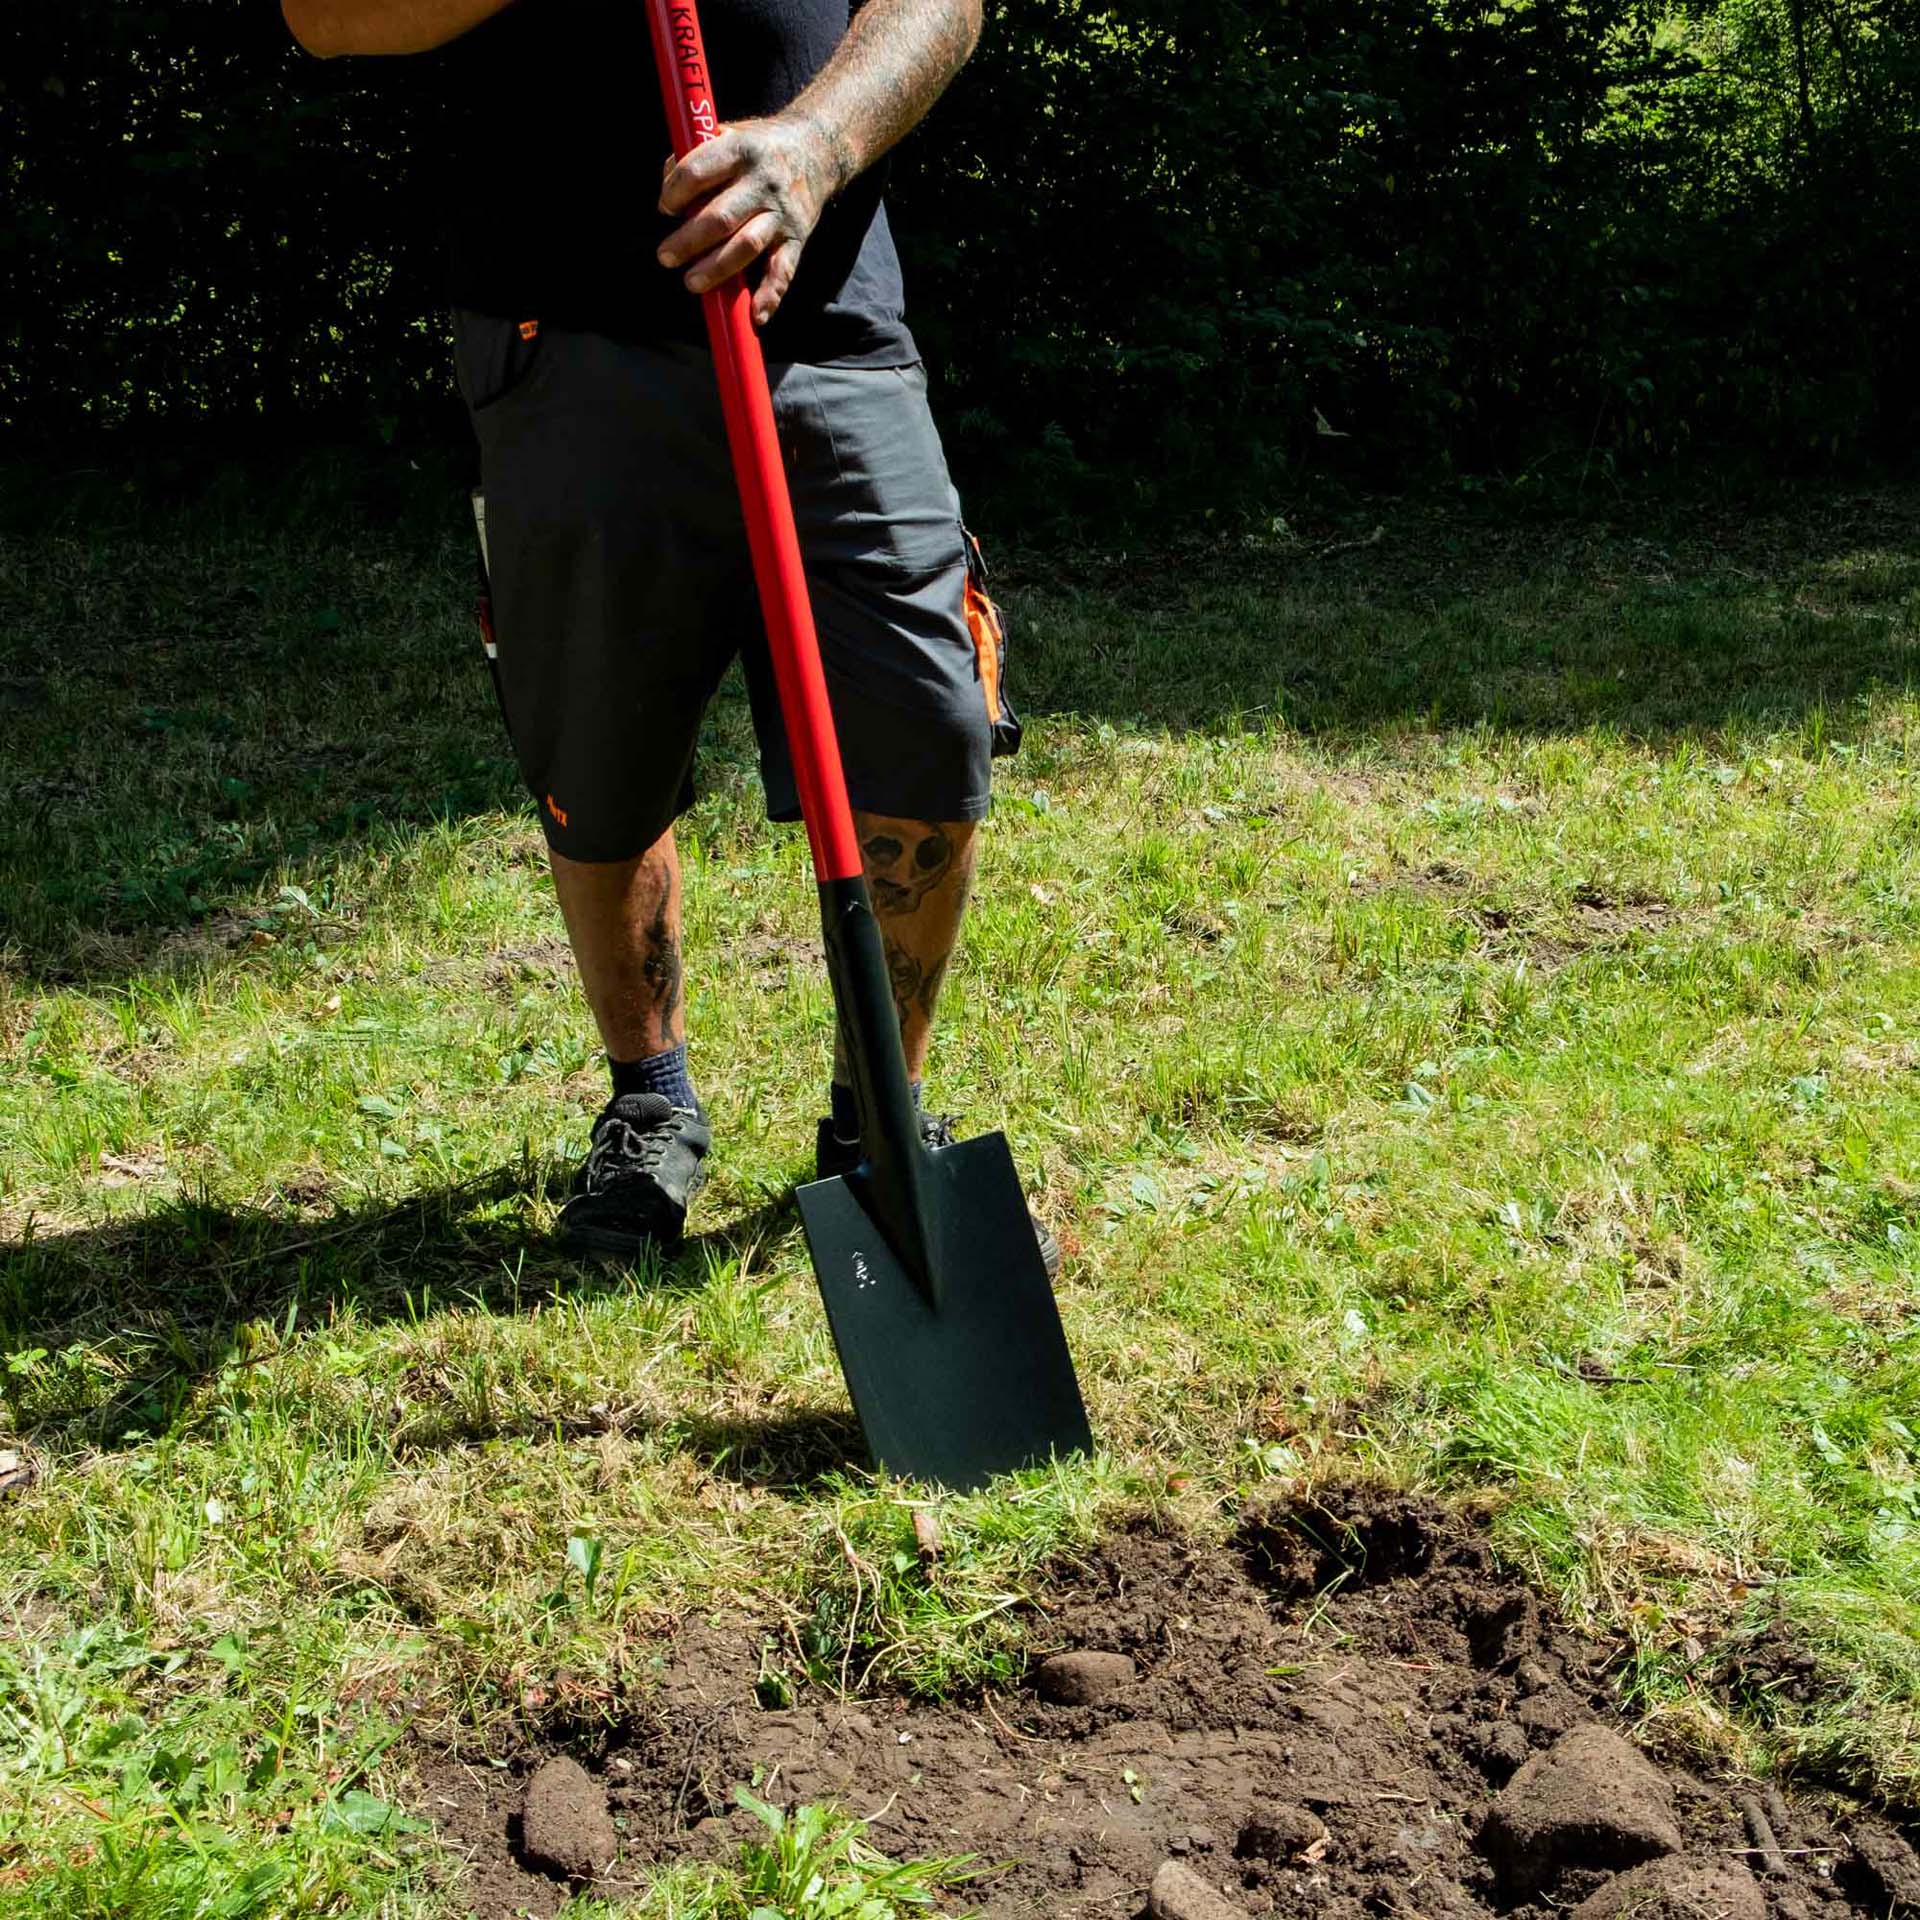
(1461, 1020)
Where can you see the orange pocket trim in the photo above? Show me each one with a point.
(983, 623)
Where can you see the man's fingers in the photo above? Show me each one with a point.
(775, 281)
(723, 215)
(749, 193)
(700, 172)
(740, 250)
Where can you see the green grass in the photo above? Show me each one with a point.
(814, 1864)
(1454, 995)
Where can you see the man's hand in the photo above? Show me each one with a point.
(761, 185)
(758, 189)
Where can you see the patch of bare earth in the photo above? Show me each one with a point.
(769, 952)
(547, 957)
(1348, 1713)
(505, 970)
(1598, 922)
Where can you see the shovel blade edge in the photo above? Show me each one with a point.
(976, 1380)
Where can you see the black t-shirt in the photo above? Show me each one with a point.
(556, 140)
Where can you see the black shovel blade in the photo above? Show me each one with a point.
(967, 1378)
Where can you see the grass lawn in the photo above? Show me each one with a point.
(1454, 993)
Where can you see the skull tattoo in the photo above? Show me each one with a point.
(901, 875)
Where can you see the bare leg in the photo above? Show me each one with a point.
(919, 872)
(623, 918)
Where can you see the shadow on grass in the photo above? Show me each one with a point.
(194, 705)
(788, 1453)
(114, 1329)
(1660, 625)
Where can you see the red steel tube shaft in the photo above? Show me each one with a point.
(761, 474)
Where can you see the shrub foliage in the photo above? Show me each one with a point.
(1165, 241)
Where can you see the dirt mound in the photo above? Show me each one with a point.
(1678, 1890)
(1590, 1800)
(1349, 1713)
(565, 1828)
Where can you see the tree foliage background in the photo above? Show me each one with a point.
(1170, 243)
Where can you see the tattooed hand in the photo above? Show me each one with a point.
(757, 191)
(761, 185)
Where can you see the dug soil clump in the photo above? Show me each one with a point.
(565, 1828)
(1347, 1712)
(1591, 1800)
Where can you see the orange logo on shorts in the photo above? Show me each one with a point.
(559, 812)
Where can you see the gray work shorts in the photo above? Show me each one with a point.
(621, 587)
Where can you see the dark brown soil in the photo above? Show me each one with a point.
(1349, 1713)
(565, 1827)
(475, 1809)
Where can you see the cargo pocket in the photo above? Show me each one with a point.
(493, 359)
(987, 626)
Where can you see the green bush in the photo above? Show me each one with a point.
(202, 222)
(1205, 232)
(1153, 248)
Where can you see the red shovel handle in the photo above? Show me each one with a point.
(892, 1176)
(762, 478)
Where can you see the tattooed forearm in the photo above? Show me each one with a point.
(757, 189)
(898, 58)
(660, 967)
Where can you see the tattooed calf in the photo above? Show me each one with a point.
(916, 983)
(909, 978)
(661, 968)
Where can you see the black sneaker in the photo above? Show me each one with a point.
(644, 1167)
(833, 1156)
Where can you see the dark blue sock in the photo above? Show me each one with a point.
(657, 1073)
(846, 1109)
